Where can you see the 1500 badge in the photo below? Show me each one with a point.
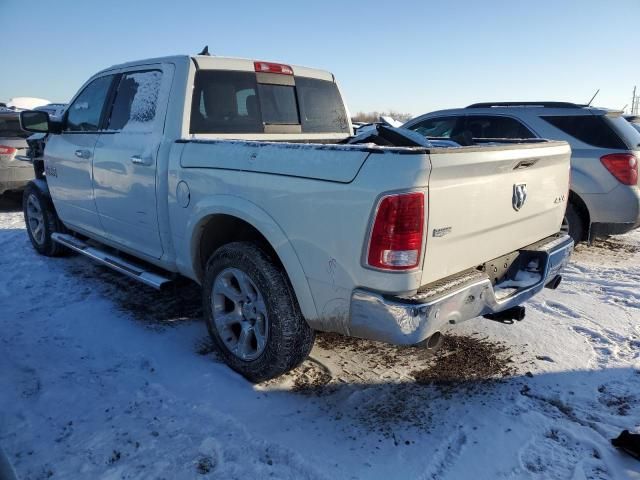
(51, 171)
(559, 199)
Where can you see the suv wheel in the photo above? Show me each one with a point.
(252, 314)
(572, 224)
(42, 221)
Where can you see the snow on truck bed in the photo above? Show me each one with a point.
(103, 378)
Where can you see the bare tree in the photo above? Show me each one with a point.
(370, 117)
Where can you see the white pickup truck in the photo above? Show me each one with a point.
(244, 176)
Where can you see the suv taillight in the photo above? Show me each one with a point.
(623, 166)
(4, 150)
(396, 235)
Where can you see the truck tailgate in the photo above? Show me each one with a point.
(489, 201)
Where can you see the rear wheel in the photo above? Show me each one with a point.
(252, 313)
(42, 221)
(573, 224)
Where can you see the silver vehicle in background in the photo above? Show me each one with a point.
(53, 109)
(604, 198)
(14, 174)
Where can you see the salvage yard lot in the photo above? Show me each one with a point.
(101, 377)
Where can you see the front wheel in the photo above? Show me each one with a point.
(252, 313)
(42, 221)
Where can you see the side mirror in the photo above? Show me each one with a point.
(35, 121)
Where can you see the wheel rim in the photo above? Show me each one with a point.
(239, 314)
(35, 219)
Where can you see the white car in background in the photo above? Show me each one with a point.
(14, 174)
(26, 103)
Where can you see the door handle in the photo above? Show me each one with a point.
(86, 154)
(138, 160)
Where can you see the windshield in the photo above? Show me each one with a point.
(236, 102)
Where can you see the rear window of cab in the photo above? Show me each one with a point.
(236, 102)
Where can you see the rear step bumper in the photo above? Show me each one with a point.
(118, 264)
(409, 320)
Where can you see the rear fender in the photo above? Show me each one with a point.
(261, 221)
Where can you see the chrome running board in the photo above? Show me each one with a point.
(118, 264)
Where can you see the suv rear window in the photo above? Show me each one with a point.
(590, 129)
(235, 102)
(10, 127)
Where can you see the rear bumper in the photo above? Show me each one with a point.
(409, 320)
(599, 230)
(614, 213)
(15, 177)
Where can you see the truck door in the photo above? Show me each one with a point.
(125, 159)
(68, 157)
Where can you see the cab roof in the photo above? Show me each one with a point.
(207, 62)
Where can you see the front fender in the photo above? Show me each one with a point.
(266, 225)
(42, 186)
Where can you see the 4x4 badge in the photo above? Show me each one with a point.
(519, 195)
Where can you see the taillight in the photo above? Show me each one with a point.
(623, 166)
(396, 235)
(4, 150)
(268, 67)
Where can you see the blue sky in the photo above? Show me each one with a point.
(412, 56)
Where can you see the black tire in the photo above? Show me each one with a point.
(573, 224)
(48, 222)
(289, 338)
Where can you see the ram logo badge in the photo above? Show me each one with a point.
(519, 195)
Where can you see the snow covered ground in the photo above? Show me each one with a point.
(103, 378)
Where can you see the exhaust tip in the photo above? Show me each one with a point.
(553, 284)
(434, 341)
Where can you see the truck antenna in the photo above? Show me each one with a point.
(594, 96)
(205, 51)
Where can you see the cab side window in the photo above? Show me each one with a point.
(136, 98)
(84, 114)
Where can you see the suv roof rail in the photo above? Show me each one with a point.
(526, 104)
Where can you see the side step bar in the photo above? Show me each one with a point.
(118, 264)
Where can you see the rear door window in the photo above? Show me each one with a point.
(136, 98)
(489, 126)
(439, 127)
(590, 129)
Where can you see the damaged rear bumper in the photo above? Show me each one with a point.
(409, 320)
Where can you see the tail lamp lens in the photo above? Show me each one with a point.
(623, 166)
(396, 236)
(4, 150)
